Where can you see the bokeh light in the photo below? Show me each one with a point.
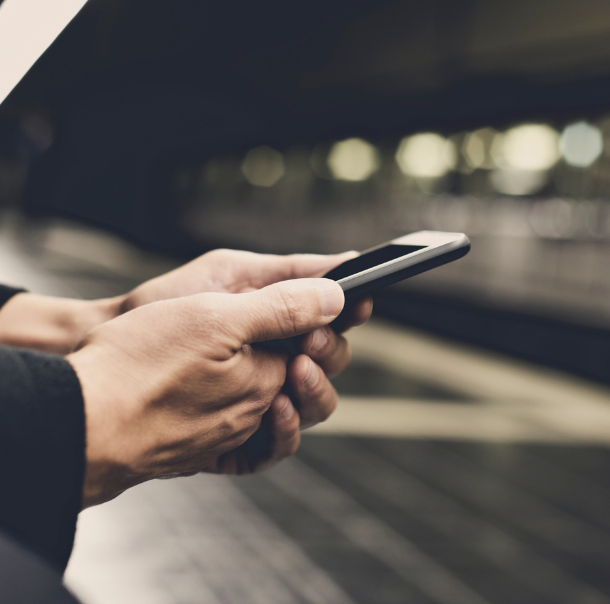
(581, 144)
(426, 155)
(476, 148)
(263, 166)
(530, 147)
(353, 159)
(518, 182)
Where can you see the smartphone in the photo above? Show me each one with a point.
(397, 260)
(386, 264)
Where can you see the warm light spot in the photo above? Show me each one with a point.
(263, 166)
(477, 146)
(426, 155)
(353, 159)
(531, 147)
(518, 182)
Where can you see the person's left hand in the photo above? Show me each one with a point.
(325, 353)
(231, 272)
(58, 325)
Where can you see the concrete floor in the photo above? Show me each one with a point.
(448, 475)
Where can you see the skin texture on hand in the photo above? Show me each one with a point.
(57, 325)
(52, 324)
(233, 272)
(134, 368)
(325, 352)
(177, 387)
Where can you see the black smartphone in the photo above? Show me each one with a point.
(386, 264)
(397, 260)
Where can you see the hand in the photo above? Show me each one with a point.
(325, 352)
(58, 324)
(175, 387)
(233, 272)
(325, 355)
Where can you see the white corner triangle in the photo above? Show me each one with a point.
(27, 29)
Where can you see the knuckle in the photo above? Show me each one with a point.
(347, 351)
(236, 440)
(271, 364)
(265, 387)
(234, 429)
(346, 355)
(268, 390)
(318, 391)
(216, 328)
(281, 371)
(327, 408)
(322, 342)
(219, 371)
(342, 359)
(319, 406)
(262, 401)
(232, 433)
(263, 378)
(331, 407)
(294, 445)
(290, 446)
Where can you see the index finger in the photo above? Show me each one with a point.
(319, 270)
(264, 269)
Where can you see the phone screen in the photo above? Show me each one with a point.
(371, 259)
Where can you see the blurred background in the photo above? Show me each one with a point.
(469, 459)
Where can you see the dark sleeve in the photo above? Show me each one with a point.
(25, 578)
(42, 451)
(6, 293)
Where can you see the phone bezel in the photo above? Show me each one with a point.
(436, 244)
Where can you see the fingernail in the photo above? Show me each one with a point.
(332, 297)
(287, 410)
(313, 376)
(318, 340)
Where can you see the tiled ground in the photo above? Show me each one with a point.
(447, 476)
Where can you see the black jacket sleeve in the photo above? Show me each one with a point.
(26, 579)
(42, 450)
(6, 293)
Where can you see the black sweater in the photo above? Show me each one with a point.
(42, 450)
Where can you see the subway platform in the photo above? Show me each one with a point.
(448, 475)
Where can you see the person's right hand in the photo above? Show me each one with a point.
(175, 387)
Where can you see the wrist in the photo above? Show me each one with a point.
(93, 313)
(52, 324)
(112, 446)
(73, 319)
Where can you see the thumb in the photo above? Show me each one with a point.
(286, 309)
